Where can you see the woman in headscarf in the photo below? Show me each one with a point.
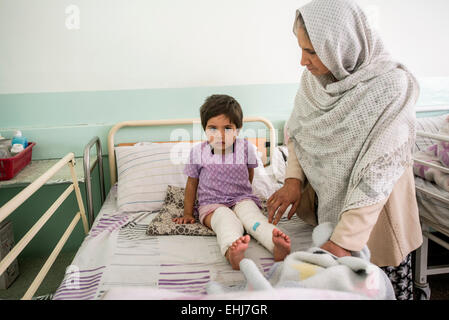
(352, 132)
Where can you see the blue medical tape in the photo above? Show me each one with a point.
(256, 225)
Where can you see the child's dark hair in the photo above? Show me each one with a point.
(219, 104)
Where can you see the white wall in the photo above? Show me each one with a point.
(131, 44)
(416, 33)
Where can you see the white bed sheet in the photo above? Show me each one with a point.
(433, 211)
(117, 255)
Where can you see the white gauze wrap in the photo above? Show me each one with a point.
(255, 223)
(227, 227)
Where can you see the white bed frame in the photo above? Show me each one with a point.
(21, 197)
(151, 123)
(422, 269)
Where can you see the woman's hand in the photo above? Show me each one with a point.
(335, 249)
(184, 220)
(289, 194)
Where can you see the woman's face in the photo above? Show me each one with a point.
(221, 132)
(309, 57)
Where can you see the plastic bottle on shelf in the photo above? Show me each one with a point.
(19, 139)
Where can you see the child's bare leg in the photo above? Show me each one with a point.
(236, 252)
(281, 245)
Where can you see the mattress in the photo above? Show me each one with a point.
(118, 254)
(433, 212)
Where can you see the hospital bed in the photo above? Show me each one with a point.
(132, 259)
(119, 260)
(433, 203)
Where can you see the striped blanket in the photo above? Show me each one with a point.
(118, 254)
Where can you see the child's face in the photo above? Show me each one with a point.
(221, 132)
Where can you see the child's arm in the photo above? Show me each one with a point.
(251, 174)
(189, 201)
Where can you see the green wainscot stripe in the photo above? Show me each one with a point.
(274, 101)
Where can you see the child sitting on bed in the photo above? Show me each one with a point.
(220, 171)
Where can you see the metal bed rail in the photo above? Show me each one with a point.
(422, 269)
(21, 197)
(88, 169)
(148, 123)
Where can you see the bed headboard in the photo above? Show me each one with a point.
(259, 142)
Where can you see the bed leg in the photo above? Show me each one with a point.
(420, 281)
(78, 196)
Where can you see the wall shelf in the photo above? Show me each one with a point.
(37, 167)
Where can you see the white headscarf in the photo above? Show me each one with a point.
(354, 136)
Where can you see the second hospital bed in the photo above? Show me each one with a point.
(433, 202)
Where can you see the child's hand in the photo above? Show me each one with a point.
(184, 220)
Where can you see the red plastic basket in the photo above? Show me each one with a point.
(9, 167)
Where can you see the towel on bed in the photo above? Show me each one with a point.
(437, 154)
(318, 269)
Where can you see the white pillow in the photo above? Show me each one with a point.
(146, 169)
(264, 183)
(144, 172)
(268, 180)
(279, 163)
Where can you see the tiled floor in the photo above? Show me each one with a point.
(29, 268)
(439, 286)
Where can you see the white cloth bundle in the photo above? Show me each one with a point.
(317, 269)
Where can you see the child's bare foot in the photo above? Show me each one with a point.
(281, 245)
(236, 252)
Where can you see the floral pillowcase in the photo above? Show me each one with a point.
(173, 207)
